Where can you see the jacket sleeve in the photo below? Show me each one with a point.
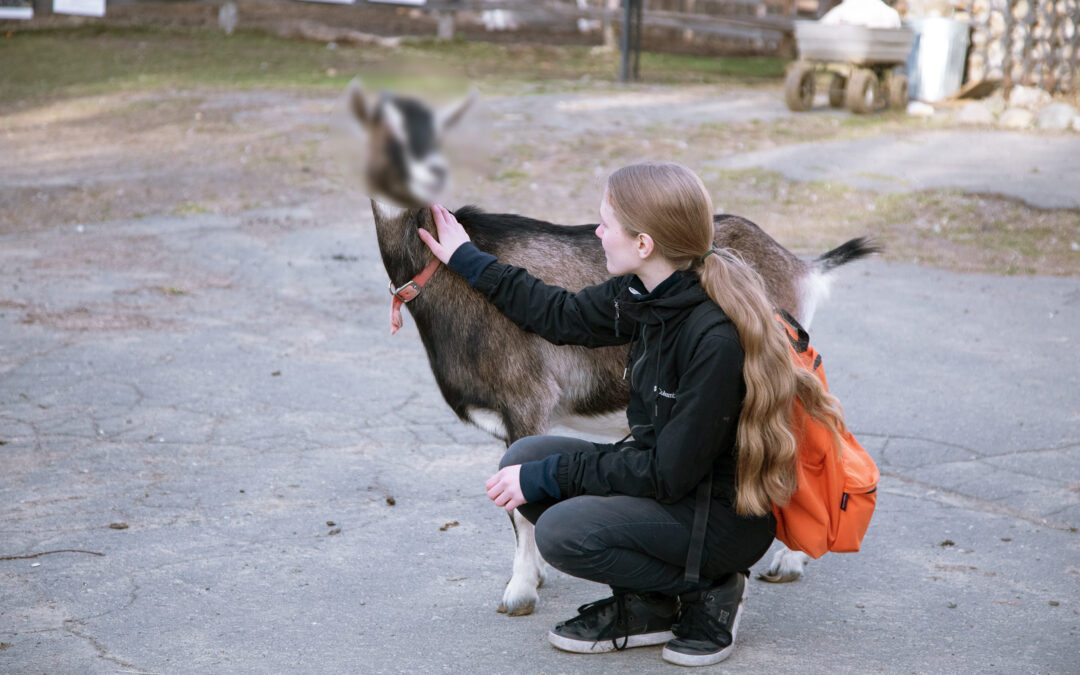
(588, 317)
(701, 425)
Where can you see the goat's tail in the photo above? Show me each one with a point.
(849, 251)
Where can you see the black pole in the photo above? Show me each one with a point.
(638, 5)
(624, 39)
(631, 40)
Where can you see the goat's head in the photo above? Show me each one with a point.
(405, 163)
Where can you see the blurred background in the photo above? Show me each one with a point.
(130, 108)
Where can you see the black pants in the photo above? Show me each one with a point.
(635, 543)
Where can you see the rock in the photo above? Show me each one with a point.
(1056, 116)
(1028, 97)
(920, 109)
(996, 103)
(975, 113)
(227, 17)
(1016, 118)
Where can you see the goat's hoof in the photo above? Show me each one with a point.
(786, 566)
(523, 610)
(518, 601)
(775, 578)
(520, 610)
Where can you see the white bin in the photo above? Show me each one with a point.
(938, 58)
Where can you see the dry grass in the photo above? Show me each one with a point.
(180, 133)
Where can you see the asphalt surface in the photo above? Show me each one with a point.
(215, 459)
(1041, 170)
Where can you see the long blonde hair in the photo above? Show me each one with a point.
(669, 202)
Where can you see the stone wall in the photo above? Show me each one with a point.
(1025, 42)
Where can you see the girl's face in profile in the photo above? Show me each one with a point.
(620, 249)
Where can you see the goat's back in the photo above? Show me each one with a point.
(780, 269)
(571, 255)
(565, 255)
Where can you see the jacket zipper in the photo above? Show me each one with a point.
(644, 353)
(626, 367)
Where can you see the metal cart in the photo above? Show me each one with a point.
(867, 66)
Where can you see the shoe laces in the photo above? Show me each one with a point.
(622, 623)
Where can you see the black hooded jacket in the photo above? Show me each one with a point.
(684, 408)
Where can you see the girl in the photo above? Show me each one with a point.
(673, 517)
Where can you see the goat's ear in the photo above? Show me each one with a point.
(449, 116)
(358, 102)
(390, 115)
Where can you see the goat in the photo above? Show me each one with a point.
(492, 374)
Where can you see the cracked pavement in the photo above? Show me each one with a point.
(216, 459)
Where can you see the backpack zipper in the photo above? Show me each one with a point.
(847, 495)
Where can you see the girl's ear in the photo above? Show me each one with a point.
(645, 245)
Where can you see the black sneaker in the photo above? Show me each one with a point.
(619, 622)
(708, 621)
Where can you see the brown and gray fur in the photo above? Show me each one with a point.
(492, 374)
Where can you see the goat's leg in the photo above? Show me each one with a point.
(520, 595)
(786, 565)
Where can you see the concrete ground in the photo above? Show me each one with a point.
(216, 459)
(1038, 170)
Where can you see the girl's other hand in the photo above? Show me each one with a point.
(504, 488)
(451, 234)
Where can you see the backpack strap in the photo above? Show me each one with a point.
(796, 334)
(698, 530)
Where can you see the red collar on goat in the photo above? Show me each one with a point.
(409, 290)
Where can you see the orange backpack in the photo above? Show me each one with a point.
(837, 491)
(835, 498)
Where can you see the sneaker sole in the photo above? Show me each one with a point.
(681, 659)
(589, 647)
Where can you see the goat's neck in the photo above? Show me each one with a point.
(403, 252)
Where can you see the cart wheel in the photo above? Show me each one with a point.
(836, 90)
(863, 92)
(898, 91)
(799, 87)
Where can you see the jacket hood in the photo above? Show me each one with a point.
(672, 297)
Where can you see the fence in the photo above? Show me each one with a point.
(708, 26)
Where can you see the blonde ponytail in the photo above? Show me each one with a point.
(670, 203)
(766, 459)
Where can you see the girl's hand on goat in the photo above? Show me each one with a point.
(504, 488)
(451, 234)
